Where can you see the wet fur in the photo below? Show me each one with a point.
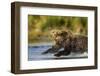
(69, 41)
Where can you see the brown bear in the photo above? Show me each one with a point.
(70, 42)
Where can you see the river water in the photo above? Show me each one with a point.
(35, 53)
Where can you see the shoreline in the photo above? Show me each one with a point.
(41, 43)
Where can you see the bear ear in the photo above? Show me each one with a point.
(70, 34)
(52, 32)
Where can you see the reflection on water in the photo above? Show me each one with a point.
(35, 50)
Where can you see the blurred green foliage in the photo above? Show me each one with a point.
(39, 26)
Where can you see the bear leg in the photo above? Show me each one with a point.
(61, 53)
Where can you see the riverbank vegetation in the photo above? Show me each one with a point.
(39, 26)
